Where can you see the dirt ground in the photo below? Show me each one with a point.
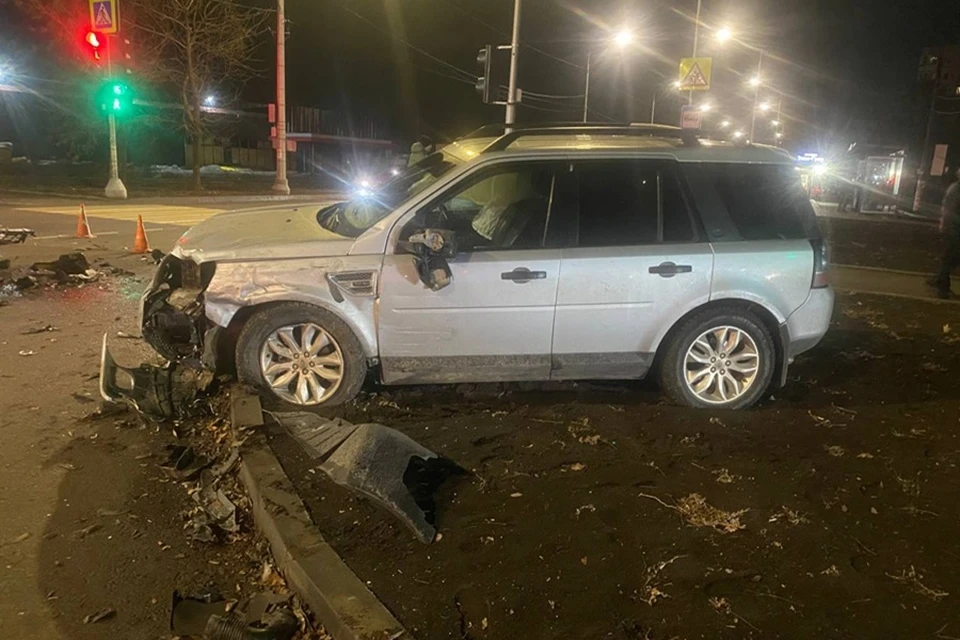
(596, 511)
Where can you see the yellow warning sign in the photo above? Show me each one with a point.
(695, 73)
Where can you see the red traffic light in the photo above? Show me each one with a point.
(93, 41)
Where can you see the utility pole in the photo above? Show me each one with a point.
(281, 185)
(653, 106)
(115, 188)
(696, 40)
(586, 88)
(756, 95)
(926, 165)
(514, 54)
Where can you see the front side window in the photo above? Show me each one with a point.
(624, 203)
(500, 208)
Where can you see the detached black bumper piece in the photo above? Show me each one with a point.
(163, 392)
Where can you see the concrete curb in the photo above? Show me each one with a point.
(341, 602)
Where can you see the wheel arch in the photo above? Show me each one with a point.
(765, 315)
(227, 343)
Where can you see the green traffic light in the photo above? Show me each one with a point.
(115, 97)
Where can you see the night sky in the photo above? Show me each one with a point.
(846, 67)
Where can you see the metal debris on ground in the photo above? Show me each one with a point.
(15, 236)
(183, 463)
(266, 615)
(44, 329)
(379, 462)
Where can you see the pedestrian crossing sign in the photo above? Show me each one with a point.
(695, 74)
(105, 16)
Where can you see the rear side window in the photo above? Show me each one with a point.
(765, 201)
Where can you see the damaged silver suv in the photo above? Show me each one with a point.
(556, 253)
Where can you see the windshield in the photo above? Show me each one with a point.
(365, 209)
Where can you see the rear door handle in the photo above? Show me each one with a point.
(522, 274)
(670, 269)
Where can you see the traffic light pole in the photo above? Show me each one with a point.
(281, 185)
(115, 188)
(514, 53)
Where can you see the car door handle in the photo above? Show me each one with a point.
(522, 274)
(670, 269)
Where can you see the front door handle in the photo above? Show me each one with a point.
(670, 269)
(522, 274)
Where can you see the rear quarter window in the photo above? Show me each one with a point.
(764, 201)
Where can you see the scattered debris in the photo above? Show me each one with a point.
(516, 494)
(697, 512)
(866, 455)
(103, 614)
(189, 614)
(44, 329)
(183, 463)
(835, 451)
(74, 263)
(725, 477)
(721, 606)
(377, 461)
(913, 579)
(947, 328)
(586, 507)
(910, 486)
(215, 504)
(831, 571)
(650, 592)
(576, 466)
(791, 516)
(15, 236)
(83, 533)
(30, 352)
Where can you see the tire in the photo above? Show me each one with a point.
(305, 320)
(706, 328)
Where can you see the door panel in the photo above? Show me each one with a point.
(492, 323)
(611, 309)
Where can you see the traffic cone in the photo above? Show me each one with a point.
(83, 226)
(140, 244)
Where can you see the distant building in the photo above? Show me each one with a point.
(938, 84)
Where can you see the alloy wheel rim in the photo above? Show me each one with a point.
(721, 365)
(302, 363)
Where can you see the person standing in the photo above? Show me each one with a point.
(950, 228)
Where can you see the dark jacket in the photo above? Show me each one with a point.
(950, 210)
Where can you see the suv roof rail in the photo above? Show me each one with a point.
(687, 136)
(497, 129)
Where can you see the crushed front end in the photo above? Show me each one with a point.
(172, 319)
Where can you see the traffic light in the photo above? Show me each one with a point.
(94, 42)
(484, 60)
(115, 97)
(494, 63)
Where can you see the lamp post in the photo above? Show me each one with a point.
(696, 40)
(280, 184)
(755, 82)
(622, 40)
(511, 110)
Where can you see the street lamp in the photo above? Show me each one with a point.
(210, 101)
(774, 123)
(765, 106)
(737, 135)
(755, 81)
(723, 34)
(724, 124)
(705, 107)
(622, 39)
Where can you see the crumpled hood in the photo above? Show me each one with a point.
(255, 234)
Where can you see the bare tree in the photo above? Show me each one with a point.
(195, 47)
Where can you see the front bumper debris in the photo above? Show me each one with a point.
(379, 462)
(172, 319)
(165, 392)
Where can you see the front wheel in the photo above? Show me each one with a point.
(301, 355)
(720, 359)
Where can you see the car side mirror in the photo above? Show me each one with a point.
(431, 248)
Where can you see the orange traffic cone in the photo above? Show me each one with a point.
(140, 244)
(83, 226)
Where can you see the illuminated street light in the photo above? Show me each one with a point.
(210, 101)
(779, 135)
(723, 34)
(724, 124)
(623, 38)
(819, 169)
(754, 81)
(706, 106)
(765, 107)
(677, 84)
(774, 123)
(6, 73)
(737, 135)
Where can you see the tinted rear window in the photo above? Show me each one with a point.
(765, 201)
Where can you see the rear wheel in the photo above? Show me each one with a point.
(722, 359)
(301, 355)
